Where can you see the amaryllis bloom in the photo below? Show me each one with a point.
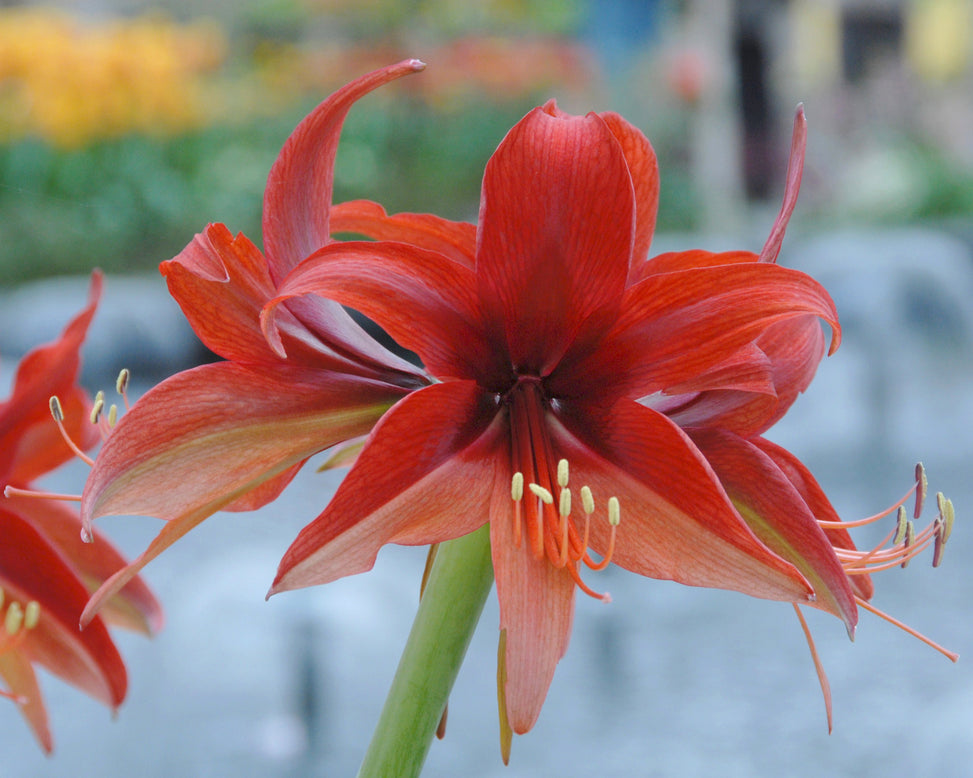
(591, 404)
(46, 572)
(231, 435)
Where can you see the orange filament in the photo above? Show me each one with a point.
(58, 413)
(553, 531)
(11, 491)
(950, 655)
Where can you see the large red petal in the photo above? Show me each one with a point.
(644, 169)
(206, 436)
(17, 671)
(677, 522)
(135, 607)
(29, 438)
(557, 220)
(793, 349)
(780, 517)
(673, 261)
(424, 300)
(676, 326)
(297, 201)
(456, 240)
(536, 610)
(817, 502)
(31, 569)
(425, 475)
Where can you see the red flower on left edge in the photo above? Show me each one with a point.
(46, 572)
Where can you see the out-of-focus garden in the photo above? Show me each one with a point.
(125, 126)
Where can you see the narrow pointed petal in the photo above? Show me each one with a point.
(17, 671)
(644, 169)
(780, 517)
(425, 475)
(795, 169)
(557, 220)
(297, 201)
(424, 300)
(456, 240)
(207, 436)
(31, 569)
(536, 610)
(675, 326)
(135, 608)
(677, 521)
(817, 502)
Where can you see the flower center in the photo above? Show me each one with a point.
(544, 505)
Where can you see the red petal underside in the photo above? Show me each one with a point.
(644, 169)
(17, 671)
(677, 522)
(674, 261)
(135, 607)
(425, 475)
(31, 444)
(676, 326)
(818, 503)
(424, 300)
(778, 514)
(456, 240)
(31, 569)
(536, 608)
(297, 200)
(557, 219)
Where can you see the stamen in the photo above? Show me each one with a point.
(58, 413)
(910, 539)
(517, 494)
(949, 515)
(112, 416)
(121, 385)
(11, 491)
(14, 618)
(564, 510)
(950, 655)
(542, 494)
(614, 518)
(818, 666)
(587, 500)
(32, 614)
(900, 527)
(921, 489)
(97, 407)
(562, 473)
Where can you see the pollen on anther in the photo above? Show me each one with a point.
(97, 407)
(112, 415)
(562, 473)
(900, 526)
(56, 410)
(14, 618)
(922, 487)
(32, 614)
(540, 492)
(587, 500)
(517, 487)
(121, 383)
(949, 515)
(564, 506)
(614, 511)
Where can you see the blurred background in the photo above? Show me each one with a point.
(126, 126)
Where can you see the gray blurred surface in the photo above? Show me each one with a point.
(664, 681)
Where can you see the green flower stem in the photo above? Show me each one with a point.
(449, 610)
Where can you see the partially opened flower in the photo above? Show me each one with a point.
(564, 356)
(46, 572)
(231, 435)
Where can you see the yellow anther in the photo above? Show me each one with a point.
(564, 507)
(517, 487)
(14, 618)
(922, 487)
(614, 511)
(539, 491)
(97, 407)
(56, 410)
(562, 473)
(900, 526)
(949, 515)
(112, 415)
(587, 500)
(121, 383)
(32, 614)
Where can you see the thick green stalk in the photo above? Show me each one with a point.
(449, 610)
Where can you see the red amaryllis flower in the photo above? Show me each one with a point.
(232, 435)
(556, 340)
(46, 572)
